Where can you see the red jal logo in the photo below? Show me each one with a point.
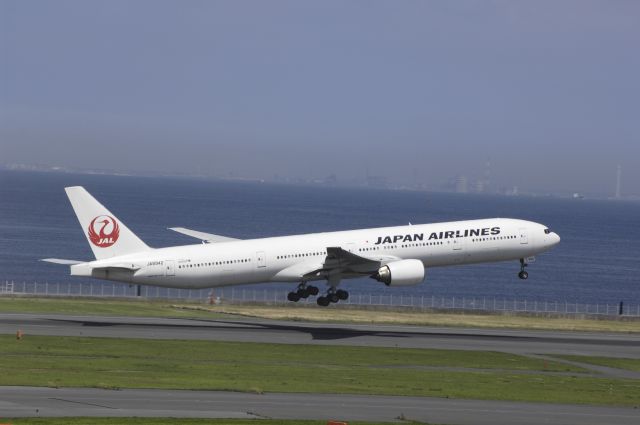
(104, 231)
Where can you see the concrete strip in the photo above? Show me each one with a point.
(260, 330)
(30, 401)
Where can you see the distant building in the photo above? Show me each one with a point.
(487, 177)
(618, 194)
(331, 180)
(512, 192)
(462, 184)
(380, 182)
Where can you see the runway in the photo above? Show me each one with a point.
(28, 401)
(260, 330)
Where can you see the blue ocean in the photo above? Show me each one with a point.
(596, 262)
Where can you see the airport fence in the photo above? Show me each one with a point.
(278, 296)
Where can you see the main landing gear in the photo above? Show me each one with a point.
(303, 291)
(523, 274)
(333, 295)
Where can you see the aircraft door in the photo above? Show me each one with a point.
(261, 259)
(524, 236)
(457, 245)
(169, 268)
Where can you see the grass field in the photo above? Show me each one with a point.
(163, 308)
(210, 365)
(169, 421)
(410, 317)
(100, 307)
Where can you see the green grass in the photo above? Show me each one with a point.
(620, 363)
(209, 365)
(291, 311)
(170, 421)
(101, 307)
(108, 353)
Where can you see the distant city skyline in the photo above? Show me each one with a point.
(414, 93)
(458, 184)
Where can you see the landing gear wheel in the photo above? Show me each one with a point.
(333, 297)
(342, 294)
(293, 296)
(323, 301)
(523, 274)
(302, 292)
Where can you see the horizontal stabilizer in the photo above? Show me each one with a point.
(207, 237)
(124, 270)
(62, 261)
(119, 266)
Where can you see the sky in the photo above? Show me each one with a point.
(548, 91)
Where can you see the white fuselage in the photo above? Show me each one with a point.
(288, 258)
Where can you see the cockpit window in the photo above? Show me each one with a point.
(547, 231)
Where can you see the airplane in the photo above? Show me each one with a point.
(395, 256)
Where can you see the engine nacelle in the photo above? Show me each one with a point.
(401, 273)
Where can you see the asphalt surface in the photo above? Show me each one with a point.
(260, 330)
(28, 401)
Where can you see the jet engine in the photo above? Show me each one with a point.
(400, 273)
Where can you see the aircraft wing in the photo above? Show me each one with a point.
(341, 261)
(344, 257)
(206, 237)
(337, 262)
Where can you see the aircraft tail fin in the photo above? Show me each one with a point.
(107, 236)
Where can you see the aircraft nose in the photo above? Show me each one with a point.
(555, 239)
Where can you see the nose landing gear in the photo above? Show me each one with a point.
(523, 274)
